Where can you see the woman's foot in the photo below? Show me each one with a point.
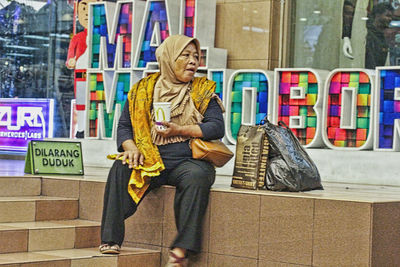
(177, 258)
(109, 249)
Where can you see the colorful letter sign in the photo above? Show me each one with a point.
(247, 100)
(348, 109)
(343, 109)
(298, 102)
(387, 124)
(123, 38)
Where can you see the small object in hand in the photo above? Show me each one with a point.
(162, 112)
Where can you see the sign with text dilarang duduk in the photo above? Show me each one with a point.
(54, 157)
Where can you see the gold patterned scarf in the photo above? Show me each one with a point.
(140, 99)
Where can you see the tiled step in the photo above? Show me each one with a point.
(48, 235)
(89, 257)
(20, 186)
(37, 208)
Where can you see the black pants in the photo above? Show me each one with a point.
(192, 179)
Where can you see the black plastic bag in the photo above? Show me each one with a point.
(289, 166)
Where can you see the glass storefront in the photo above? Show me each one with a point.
(34, 39)
(344, 33)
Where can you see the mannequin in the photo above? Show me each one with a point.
(354, 32)
(374, 43)
(77, 59)
(348, 15)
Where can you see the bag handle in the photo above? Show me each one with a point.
(280, 123)
(283, 124)
(264, 120)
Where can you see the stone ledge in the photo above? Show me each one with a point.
(359, 167)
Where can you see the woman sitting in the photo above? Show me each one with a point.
(152, 157)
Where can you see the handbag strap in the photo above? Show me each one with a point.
(283, 124)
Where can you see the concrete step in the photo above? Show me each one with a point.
(37, 208)
(89, 257)
(19, 186)
(47, 235)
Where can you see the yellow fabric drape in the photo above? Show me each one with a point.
(140, 99)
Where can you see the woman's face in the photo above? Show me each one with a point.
(187, 63)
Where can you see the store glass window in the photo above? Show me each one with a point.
(34, 39)
(344, 33)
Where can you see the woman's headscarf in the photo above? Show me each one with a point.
(169, 89)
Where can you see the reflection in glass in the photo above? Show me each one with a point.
(345, 34)
(34, 38)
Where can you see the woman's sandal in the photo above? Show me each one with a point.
(109, 249)
(176, 261)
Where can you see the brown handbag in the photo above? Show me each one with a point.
(213, 151)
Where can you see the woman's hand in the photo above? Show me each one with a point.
(132, 154)
(172, 129)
